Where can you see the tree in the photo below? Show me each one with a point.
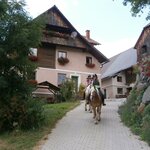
(18, 33)
(138, 6)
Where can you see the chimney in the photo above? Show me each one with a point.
(87, 34)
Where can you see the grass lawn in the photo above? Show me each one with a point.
(27, 140)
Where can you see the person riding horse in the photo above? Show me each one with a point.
(89, 82)
(96, 85)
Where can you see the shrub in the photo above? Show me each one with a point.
(138, 122)
(21, 114)
(34, 115)
(81, 90)
(128, 108)
(146, 124)
(67, 90)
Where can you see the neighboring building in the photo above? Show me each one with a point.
(117, 77)
(143, 43)
(143, 53)
(64, 53)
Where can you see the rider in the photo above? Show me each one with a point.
(97, 85)
(89, 81)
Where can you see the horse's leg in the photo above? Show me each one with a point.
(96, 115)
(90, 107)
(94, 112)
(85, 105)
(100, 107)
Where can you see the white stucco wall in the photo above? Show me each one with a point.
(111, 84)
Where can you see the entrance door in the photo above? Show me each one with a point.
(75, 80)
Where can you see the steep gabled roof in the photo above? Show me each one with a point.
(50, 85)
(69, 28)
(119, 63)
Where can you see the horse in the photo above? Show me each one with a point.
(96, 103)
(87, 98)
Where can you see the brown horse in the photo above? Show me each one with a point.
(96, 103)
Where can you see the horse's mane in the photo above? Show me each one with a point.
(93, 89)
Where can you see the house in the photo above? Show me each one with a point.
(143, 54)
(118, 77)
(143, 43)
(65, 53)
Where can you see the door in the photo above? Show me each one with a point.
(75, 80)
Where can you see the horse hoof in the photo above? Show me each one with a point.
(96, 122)
(90, 111)
(85, 109)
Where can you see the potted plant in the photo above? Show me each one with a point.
(63, 60)
(33, 58)
(90, 65)
(32, 82)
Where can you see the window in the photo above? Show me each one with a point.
(119, 79)
(61, 78)
(88, 60)
(144, 49)
(62, 54)
(33, 51)
(119, 90)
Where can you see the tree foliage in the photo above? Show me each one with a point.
(138, 6)
(18, 33)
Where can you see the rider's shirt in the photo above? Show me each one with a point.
(96, 83)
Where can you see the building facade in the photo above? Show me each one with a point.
(64, 52)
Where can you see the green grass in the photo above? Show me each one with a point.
(26, 140)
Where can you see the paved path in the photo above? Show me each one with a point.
(77, 131)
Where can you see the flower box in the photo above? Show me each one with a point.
(90, 65)
(32, 82)
(62, 60)
(33, 58)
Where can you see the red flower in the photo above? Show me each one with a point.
(63, 60)
(33, 58)
(90, 65)
(32, 81)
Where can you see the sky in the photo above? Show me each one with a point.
(109, 21)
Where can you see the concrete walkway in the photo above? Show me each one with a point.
(77, 131)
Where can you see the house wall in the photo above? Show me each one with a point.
(75, 67)
(46, 57)
(111, 84)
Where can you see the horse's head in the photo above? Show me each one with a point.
(94, 93)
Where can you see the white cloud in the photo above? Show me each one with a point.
(110, 49)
